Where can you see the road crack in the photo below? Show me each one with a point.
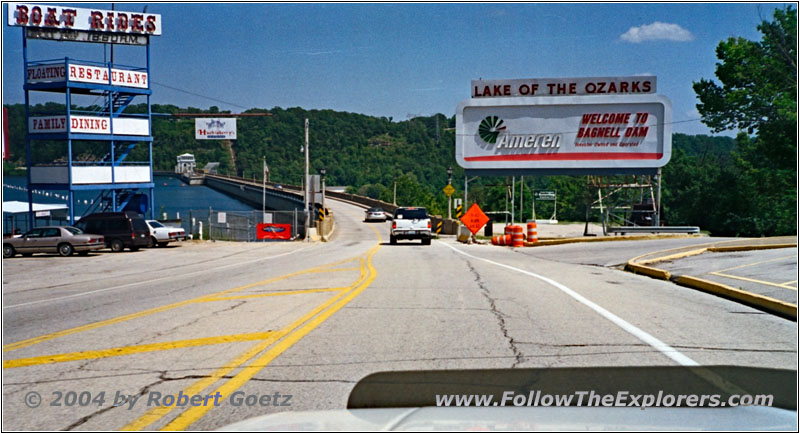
(499, 316)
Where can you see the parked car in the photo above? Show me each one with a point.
(63, 240)
(374, 215)
(161, 235)
(411, 223)
(120, 229)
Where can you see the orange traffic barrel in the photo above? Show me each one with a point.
(533, 235)
(517, 238)
(501, 240)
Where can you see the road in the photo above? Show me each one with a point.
(310, 320)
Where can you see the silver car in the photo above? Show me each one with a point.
(374, 215)
(63, 240)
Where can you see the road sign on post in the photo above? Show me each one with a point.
(544, 195)
(449, 190)
(474, 219)
(459, 210)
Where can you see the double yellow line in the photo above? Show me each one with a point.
(287, 337)
(269, 346)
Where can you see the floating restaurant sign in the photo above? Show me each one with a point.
(57, 72)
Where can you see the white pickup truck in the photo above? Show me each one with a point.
(411, 224)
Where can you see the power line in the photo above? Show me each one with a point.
(199, 95)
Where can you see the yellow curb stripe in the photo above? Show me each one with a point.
(751, 247)
(673, 257)
(154, 414)
(91, 326)
(768, 303)
(192, 414)
(748, 279)
(558, 241)
(648, 271)
(135, 349)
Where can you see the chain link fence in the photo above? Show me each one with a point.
(238, 225)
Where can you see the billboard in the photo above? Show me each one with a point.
(94, 20)
(215, 128)
(570, 133)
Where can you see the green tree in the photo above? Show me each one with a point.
(758, 94)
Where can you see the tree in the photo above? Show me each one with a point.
(759, 89)
(758, 95)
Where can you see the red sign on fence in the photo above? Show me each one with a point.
(274, 231)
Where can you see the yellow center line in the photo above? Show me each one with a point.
(277, 294)
(187, 418)
(192, 414)
(791, 281)
(747, 279)
(155, 310)
(135, 349)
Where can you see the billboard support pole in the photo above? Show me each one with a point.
(658, 199)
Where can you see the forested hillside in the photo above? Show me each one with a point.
(701, 183)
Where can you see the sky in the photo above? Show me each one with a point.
(404, 60)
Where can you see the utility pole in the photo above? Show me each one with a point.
(306, 187)
(264, 191)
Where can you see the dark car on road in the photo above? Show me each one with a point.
(63, 240)
(120, 229)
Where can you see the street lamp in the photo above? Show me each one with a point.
(322, 172)
(449, 197)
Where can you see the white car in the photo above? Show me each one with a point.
(161, 235)
(374, 215)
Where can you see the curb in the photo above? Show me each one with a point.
(751, 247)
(648, 271)
(782, 308)
(557, 241)
(769, 304)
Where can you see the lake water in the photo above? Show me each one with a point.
(171, 196)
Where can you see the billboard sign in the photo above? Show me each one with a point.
(570, 132)
(215, 128)
(644, 84)
(93, 20)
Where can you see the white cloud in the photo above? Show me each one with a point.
(656, 32)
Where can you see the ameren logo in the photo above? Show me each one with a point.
(493, 131)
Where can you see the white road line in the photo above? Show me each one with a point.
(153, 280)
(649, 339)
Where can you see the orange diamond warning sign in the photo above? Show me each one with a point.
(474, 219)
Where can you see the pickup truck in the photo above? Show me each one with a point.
(411, 224)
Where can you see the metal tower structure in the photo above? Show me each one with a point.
(108, 126)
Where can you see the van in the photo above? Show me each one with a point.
(120, 229)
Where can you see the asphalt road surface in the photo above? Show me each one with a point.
(767, 272)
(310, 320)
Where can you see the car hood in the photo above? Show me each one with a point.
(525, 419)
(406, 400)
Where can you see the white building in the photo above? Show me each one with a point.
(185, 164)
